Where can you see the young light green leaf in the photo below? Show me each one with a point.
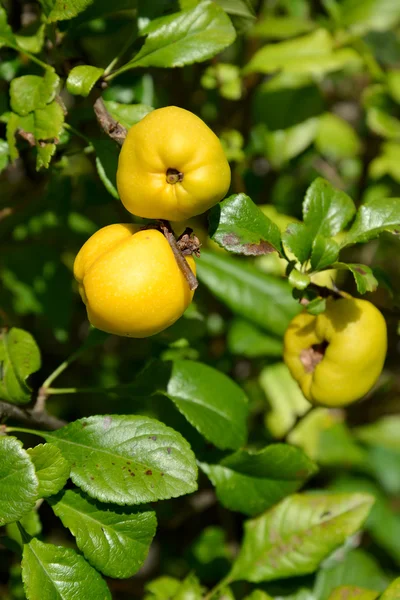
(286, 401)
(383, 123)
(326, 210)
(19, 358)
(262, 299)
(214, 404)
(251, 482)
(127, 459)
(393, 591)
(276, 27)
(373, 218)
(52, 470)
(184, 38)
(312, 53)
(115, 541)
(82, 78)
(4, 153)
(258, 595)
(245, 339)
(377, 15)
(299, 280)
(387, 163)
(383, 432)
(51, 572)
(352, 592)
(161, 588)
(335, 138)
(239, 226)
(127, 114)
(363, 276)
(7, 37)
(296, 535)
(32, 43)
(325, 251)
(18, 481)
(29, 92)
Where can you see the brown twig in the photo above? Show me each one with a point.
(112, 128)
(30, 416)
(180, 259)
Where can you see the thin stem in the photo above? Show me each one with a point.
(76, 132)
(88, 390)
(24, 430)
(30, 416)
(120, 54)
(31, 56)
(61, 368)
(180, 259)
(223, 583)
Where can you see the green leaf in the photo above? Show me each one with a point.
(393, 82)
(4, 153)
(245, 339)
(262, 299)
(161, 588)
(258, 595)
(298, 238)
(296, 535)
(212, 402)
(387, 163)
(114, 540)
(326, 210)
(184, 38)
(356, 568)
(335, 138)
(107, 154)
(376, 15)
(337, 447)
(387, 537)
(59, 10)
(51, 572)
(350, 592)
(325, 252)
(127, 114)
(239, 226)
(275, 27)
(52, 470)
(384, 432)
(18, 481)
(29, 92)
(19, 358)
(82, 78)
(7, 37)
(312, 53)
(374, 217)
(363, 276)
(283, 145)
(393, 591)
(383, 123)
(127, 459)
(251, 482)
(285, 398)
(241, 12)
(316, 306)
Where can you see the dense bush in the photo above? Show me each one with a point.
(171, 466)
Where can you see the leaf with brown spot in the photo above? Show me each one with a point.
(301, 540)
(239, 226)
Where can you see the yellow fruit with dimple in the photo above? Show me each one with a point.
(171, 166)
(130, 281)
(337, 356)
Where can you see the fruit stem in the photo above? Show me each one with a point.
(180, 259)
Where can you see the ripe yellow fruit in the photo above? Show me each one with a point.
(130, 281)
(171, 166)
(337, 356)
